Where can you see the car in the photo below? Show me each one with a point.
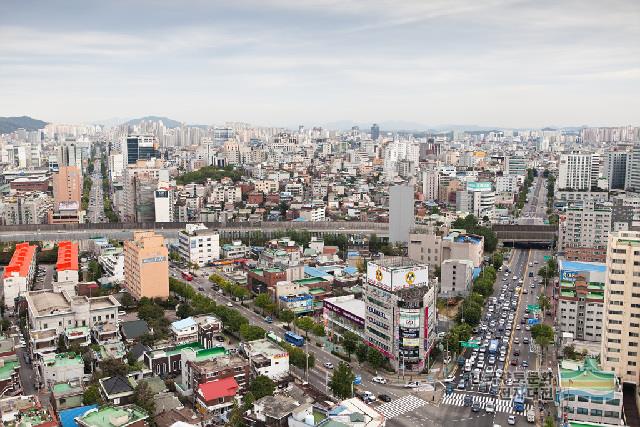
(533, 286)
(516, 352)
(414, 384)
(384, 397)
(229, 304)
(368, 396)
(201, 289)
(514, 361)
(489, 370)
(449, 379)
(525, 340)
(468, 400)
(527, 328)
(501, 358)
(328, 365)
(509, 381)
(462, 384)
(525, 364)
(475, 407)
(525, 291)
(518, 327)
(220, 338)
(511, 420)
(382, 380)
(490, 408)
(268, 319)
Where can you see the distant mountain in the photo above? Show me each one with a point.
(167, 121)
(10, 124)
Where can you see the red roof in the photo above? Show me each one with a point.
(20, 261)
(224, 387)
(67, 256)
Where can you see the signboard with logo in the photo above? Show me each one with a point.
(410, 277)
(426, 328)
(410, 342)
(378, 276)
(409, 319)
(154, 259)
(409, 333)
(568, 275)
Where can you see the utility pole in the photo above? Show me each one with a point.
(306, 371)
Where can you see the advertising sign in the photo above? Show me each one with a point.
(568, 275)
(411, 342)
(409, 277)
(409, 319)
(426, 328)
(409, 333)
(378, 276)
(154, 259)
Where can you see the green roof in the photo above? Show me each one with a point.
(105, 415)
(7, 370)
(177, 349)
(594, 295)
(567, 293)
(587, 377)
(310, 281)
(210, 352)
(61, 387)
(66, 359)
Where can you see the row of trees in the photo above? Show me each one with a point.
(209, 172)
(229, 288)
(522, 196)
(471, 225)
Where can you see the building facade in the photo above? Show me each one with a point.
(199, 245)
(146, 266)
(583, 231)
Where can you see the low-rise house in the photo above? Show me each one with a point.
(267, 358)
(64, 367)
(116, 390)
(68, 416)
(216, 397)
(110, 416)
(200, 372)
(133, 330)
(67, 395)
(26, 411)
(196, 328)
(271, 411)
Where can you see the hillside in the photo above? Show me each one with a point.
(167, 121)
(10, 124)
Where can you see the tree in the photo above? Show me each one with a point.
(150, 311)
(251, 332)
(261, 301)
(287, 316)
(549, 422)
(184, 310)
(544, 302)
(143, 397)
(569, 352)
(471, 313)
(62, 344)
(305, 323)
(235, 417)
(350, 342)
(362, 352)
(498, 260)
(113, 367)
(542, 335)
(247, 401)
(318, 330)
(91, 395)
(375, 358)
(127, 300)
(262, 386)
(341, 383)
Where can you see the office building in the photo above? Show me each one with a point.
(67, 185)
(343, 314)
(401, 215)
(163, 201)
(507, 184)
(400, 312)
(457, 278)
(198, 245)
(375, 132)
(621, 326)
(26, 208)
(625, 212)
(580, 307)
(633, 170)
(67, 263)
(19, 274)
(70, 153)
(433, 249)
(146, 268)
(583, 231)
(141, 147)
(515, 165)
(478, 199)
(430, 184)
(615, 169)
(574, 172)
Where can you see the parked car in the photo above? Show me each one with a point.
(328, 365)
(384, 397)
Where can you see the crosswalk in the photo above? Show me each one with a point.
(400, 406)
(501, 405)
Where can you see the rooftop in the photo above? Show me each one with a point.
(581, 266)
(65, 360)
(349, 304)
(7, 369)
(68, 416)
(48, 302)
(67, 256)
(20, 261)
(586, 377)
(218, 388)
(109, 416)
(264, 346)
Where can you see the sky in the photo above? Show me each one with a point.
(507, 63)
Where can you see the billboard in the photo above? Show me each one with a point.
(568, 275)
(426, 328)
(416, 276)
(378, 276)
(409, 319)
(411, 342)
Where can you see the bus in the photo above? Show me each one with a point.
(187, 276)
(493, 346)
(293, 338)
(518, 401)
(273, 337)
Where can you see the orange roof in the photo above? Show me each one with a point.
(224, 387)
(67, 256)
(20, 261)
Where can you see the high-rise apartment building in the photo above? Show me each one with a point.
(430, 184)
(401, 215)
(400, 312)
(163, 203)
(141, 147)
(621, 329)
(615, 169)
(146, 265)
(633, 174)
(574, 171)
(375, 131)
(515, 165)
(583, 231)
(67, 186)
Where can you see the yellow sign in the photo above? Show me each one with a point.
(379, 275)
(410, 277)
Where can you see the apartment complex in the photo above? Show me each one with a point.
(574, 171)
(400, 311)
(18, 275)
(621, 327)
(146, 267)
(583, 231)
(199, 245)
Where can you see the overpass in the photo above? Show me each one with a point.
(124, 231)
(521, 235)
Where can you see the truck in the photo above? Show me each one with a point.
(531, 416)
(493, 346)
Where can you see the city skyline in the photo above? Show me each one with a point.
(502, 63)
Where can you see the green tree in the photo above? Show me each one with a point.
(113, 367)
(350, 342)
(287, 316)
(251, 332)
(544, 302)
(150, 311)
(235, 417)
(542, 335)
(498, 260)
(341, 383)
(549, 422)
(261, 301)
(143, 397)
(305, 323)
(362, 352)
(127, 300)
(262, 386)
(91, 395)
(318, 330)
(247, 401)
(375, 358)
(470, 312)
(184, 310)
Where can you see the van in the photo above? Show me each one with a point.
(531, 416)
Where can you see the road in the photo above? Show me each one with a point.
(95, 211)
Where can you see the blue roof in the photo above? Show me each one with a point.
(350, 270)
(314, 272)
(184, 323)
(582, 266)
(299, 219)
(67, 417)
(476, 272)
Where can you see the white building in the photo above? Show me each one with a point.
(430, 184)
(478, 199)
(515, 165)
(457, 277)
(18, 275)
(163, 202)
(313, 213)
(574, 171)
(199, 245)
(235, 249)
(507, 184)
(112, 267)
(267, 358)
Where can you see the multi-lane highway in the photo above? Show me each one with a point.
(95, 210)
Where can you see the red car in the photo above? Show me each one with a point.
(514, 362)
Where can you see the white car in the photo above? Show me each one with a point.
(511, 420)
(490, 408)
(328, 365)
(229, 304)
(379, 380)
(449, 379)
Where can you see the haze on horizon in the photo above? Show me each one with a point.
(509, 63)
